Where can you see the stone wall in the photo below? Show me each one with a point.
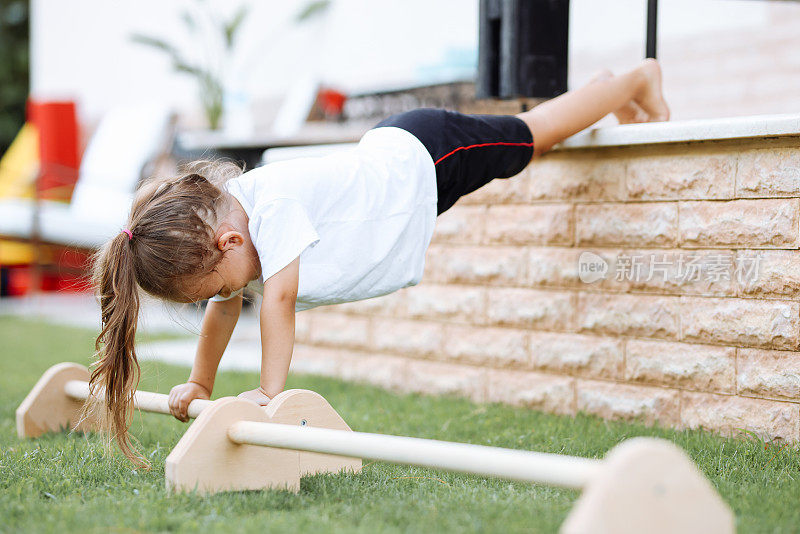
(696, 322)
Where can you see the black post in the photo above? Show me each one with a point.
(489, 25)
(652, 25)
(522, 51)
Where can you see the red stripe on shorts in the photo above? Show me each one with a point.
(478, 146)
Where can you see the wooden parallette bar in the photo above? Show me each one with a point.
(642, 484)
(55, 402)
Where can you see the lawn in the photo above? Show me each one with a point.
(64, 483)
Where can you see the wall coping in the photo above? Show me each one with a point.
(784, 125)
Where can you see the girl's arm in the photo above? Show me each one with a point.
(277, 331)
(218, 324)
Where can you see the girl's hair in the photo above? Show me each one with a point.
(172, 225)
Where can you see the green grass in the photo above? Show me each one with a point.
(64, 483)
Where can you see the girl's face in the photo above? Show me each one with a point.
(239, 265)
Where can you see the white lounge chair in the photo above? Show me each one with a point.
(125, 141)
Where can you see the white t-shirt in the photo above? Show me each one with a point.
(361, 219)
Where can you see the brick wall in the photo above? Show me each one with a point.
(696, 323)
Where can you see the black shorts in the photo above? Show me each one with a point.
(468, 151)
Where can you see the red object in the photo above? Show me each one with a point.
(59, 158)
(332, 101)
(53, 282)
(19, 280)
(71, 273)
(59, 150)
(68, 272)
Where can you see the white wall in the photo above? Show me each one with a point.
(81, 48)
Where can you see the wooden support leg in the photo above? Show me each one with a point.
(47, 408)
(649, 485)
(207, 461)
(305, 407)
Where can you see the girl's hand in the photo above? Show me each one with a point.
(256, 395)
(181, 395)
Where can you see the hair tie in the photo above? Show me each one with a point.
(130, 234)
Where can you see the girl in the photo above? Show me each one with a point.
(314, 231)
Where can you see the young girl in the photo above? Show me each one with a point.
(314, 231)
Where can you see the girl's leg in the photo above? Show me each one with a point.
(555, 120)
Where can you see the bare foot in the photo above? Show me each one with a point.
(650, 96)
(629, 113)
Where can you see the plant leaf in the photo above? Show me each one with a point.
(180, 66)
(178, 62)
(312, 9)
(189, 21)
(154, 42)
(232, 26)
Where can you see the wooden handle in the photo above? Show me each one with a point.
(146, 401)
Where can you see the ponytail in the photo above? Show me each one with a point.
(169, 240)
(116, 371)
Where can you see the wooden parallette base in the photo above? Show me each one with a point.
(206, 460)
(649, 485)
(49, 408)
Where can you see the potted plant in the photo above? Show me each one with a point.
(210, 70)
